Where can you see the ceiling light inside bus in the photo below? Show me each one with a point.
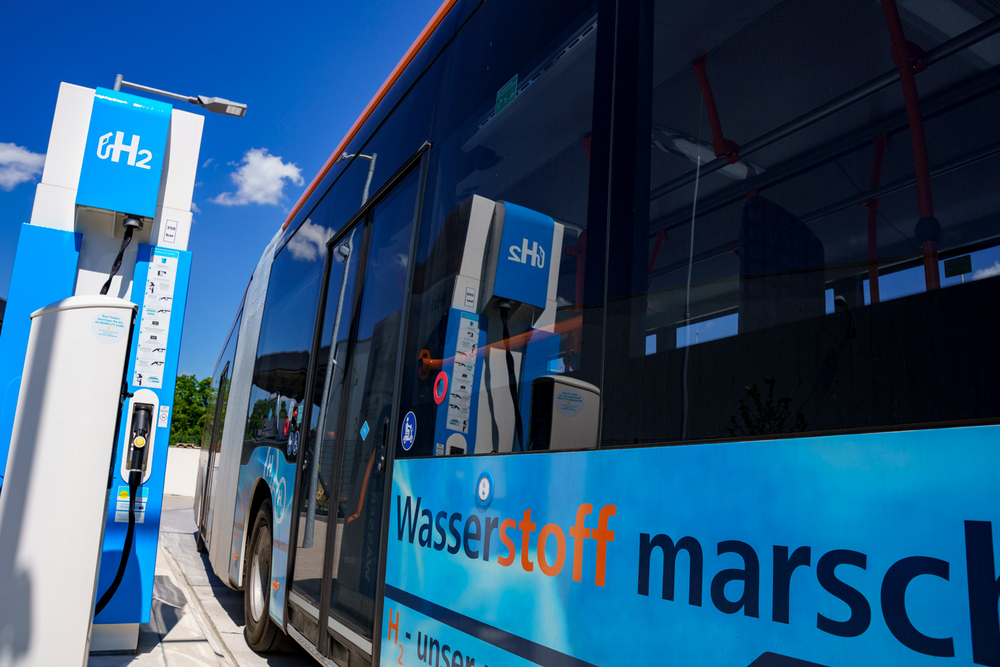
(683, 145)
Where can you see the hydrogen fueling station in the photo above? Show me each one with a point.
(88, 362)
(543, 366)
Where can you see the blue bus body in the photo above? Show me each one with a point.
(633, 333)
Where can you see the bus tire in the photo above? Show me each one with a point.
(262, 634)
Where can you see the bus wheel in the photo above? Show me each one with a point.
(261, 633)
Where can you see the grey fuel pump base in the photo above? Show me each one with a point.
(54, 500)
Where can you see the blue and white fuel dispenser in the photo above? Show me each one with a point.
(115, 198)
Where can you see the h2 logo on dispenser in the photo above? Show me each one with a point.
(106, 149)
(525, 256)
(126, 143)
(536, 252)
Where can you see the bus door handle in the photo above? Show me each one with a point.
(380, 460)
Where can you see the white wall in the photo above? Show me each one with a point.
(182, 471)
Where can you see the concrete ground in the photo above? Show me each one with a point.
(195, 619)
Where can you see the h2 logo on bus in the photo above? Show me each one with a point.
(536, 252)
(114, 151)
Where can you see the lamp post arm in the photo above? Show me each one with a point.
(119, 82)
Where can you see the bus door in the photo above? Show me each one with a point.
(213, 446)
(339, 546)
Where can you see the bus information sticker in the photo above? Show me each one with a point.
(408, 433)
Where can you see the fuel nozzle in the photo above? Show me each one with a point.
(142, 420)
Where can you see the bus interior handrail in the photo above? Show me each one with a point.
(940, 103)
(908, 181)
(940, 52)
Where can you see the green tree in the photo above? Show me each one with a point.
(191, 397)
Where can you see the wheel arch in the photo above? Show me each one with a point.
(261, 492)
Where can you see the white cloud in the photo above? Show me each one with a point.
(207, 162)
(194, 208)
(309, 240)
(18, 165)
(260, 179)
(988, 272)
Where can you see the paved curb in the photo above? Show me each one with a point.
(212, 636)
(195, 620)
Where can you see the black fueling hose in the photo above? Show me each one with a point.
(504, 315)
(142, 419)
(131, 224)
(133, 488)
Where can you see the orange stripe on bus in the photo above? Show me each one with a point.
(379, 96)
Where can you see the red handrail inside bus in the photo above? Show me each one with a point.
(426, 363)
(881, 142)
(907, 57)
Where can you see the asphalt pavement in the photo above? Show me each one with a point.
(195, 618)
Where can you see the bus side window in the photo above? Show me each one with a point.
(498, 293)
(785, 261)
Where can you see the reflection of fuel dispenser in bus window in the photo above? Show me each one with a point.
(502, 340)
(280, 423)
(292, 427)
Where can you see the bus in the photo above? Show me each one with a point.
(639, 332)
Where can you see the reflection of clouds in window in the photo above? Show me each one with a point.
(401, 260)
(988, 272)
(308, 242)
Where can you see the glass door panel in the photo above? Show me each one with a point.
(367, 411)
(221, 394)
(317, 512)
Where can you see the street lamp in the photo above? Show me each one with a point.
(213, 104)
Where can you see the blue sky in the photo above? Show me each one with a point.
(305, 71)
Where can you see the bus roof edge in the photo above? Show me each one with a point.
(408, 57)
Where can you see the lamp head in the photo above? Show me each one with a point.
(223, 106)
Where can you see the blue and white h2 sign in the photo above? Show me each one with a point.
(525, 255)
(124, 155)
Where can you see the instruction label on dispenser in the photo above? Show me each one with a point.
(463, 373)
(121, 506)
(154, 325)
